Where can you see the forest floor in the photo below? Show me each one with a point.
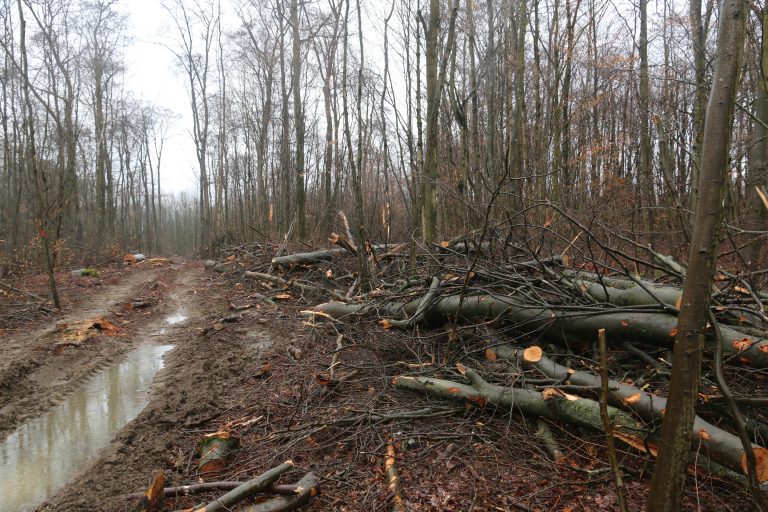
(247, 377)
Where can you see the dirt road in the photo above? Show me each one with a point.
(246, 377)
(35, 374)
(191, 390)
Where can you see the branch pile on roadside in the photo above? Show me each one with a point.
(542, 296)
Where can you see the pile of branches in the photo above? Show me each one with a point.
(548, 299)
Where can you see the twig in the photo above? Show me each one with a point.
(738, 419)
(303, 286)
(28, 294)
(393, 479)
(335, 360)
(246, 490)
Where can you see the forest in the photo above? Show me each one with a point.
(555, 210)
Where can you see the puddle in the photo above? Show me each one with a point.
(46, 452)
(176, 318)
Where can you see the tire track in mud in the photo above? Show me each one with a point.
(34, 377)
(190, 392)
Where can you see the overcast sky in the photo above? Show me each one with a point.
(152, 74)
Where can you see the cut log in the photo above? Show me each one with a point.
(191, 489)
(137, 304)
(306, 489)
(132, 259)
(307, 258)
(720, 446)
(558, 326)
(247, 490)
(632, 296)
(551, 404)
(215, 450)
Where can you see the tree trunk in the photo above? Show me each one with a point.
(429, 184)
(298, 114)
(669, 476)
(557, 326)
(757, 174)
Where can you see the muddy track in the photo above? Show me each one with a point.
(191, 390)
(34, 376)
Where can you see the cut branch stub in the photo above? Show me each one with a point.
(532, 354)
(215, 450)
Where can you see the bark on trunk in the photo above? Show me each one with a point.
(669, 475)
(558, 326)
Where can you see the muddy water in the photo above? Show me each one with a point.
(46, 452)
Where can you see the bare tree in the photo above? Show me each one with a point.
(669, 476)
(196, 64)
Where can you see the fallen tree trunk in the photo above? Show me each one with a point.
(720, 446)
(308, 258)
(191, 489)
(301, 285)
(305, 258)
(632, 296)
(558, 326)
(551, 404)
(621, 292)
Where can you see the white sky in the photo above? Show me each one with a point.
(151, 74)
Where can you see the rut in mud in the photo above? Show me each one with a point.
(36, 375)
(191, 390)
